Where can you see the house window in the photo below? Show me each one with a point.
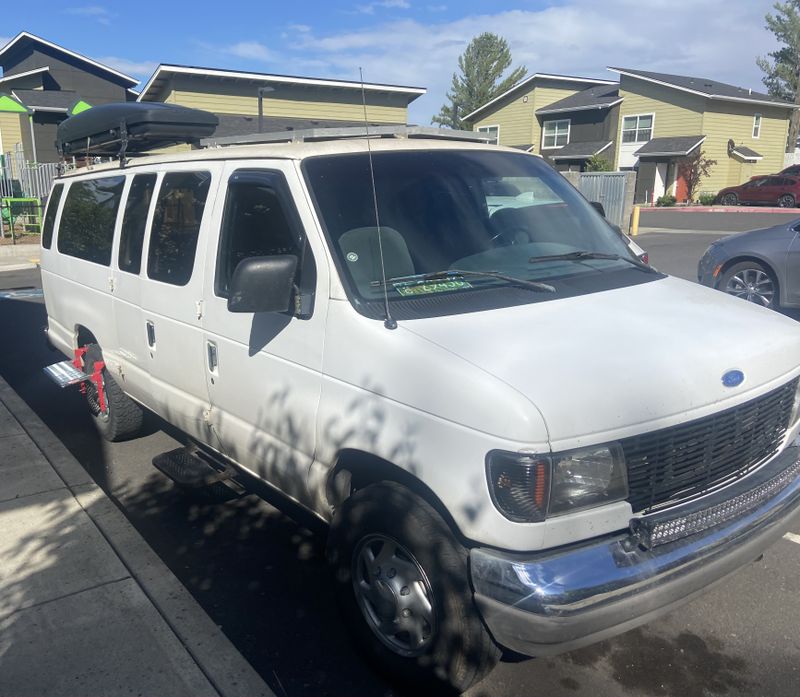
(555, 134)
(756, 125)
(637, 129)
(493, 131)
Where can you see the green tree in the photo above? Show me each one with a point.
(598, 163)
(782, 67)
(479, 79)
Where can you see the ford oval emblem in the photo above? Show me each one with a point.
(733, 378)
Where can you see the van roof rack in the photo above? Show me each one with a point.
(310, 135)
(124, 128)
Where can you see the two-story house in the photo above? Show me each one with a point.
(51, 82)
(663, 118)
(513, 118)
(647, 122)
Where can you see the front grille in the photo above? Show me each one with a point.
(684, 461)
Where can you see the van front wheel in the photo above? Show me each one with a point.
(116, 416)
(402, 583)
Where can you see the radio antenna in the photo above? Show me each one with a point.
(388, 320)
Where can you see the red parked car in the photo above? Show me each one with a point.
(772, 189)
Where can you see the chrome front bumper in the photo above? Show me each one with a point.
(558, 601)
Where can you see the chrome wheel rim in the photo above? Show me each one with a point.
(729, 200)
(752, 284)
(394, 595)
(786, 202)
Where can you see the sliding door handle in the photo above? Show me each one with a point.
(151, 334)
(211, 351)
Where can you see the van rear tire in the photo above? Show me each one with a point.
(414, 554)
(122, 417)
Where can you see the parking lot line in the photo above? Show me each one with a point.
(792, 537)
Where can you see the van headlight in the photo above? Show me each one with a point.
(529, 488)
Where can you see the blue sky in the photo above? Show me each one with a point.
(411, 42)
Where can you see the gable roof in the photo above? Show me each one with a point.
(47, 100)
(746, 153)
(705, 87)
(675, 146)
(19, 76)
(539, 76)
(25, 37)
(164, 70)
(580, 151)
(597, 97)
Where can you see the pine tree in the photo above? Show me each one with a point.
(480, 78)
(782, 67)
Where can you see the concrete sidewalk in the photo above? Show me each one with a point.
(15, 257)
(86, 607)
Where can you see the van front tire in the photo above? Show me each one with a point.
(122, 417)
(402, 583)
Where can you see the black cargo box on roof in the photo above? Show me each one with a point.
(101, 130)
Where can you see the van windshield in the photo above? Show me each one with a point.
(504, 220)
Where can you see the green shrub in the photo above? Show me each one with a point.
(596, 163)
(706, 199)
(666, 200)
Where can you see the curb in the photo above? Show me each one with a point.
(223, 666)
(721, 209)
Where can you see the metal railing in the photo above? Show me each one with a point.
(20, 178)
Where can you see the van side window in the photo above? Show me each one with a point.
(176, 225)
(86, 230)
(254, 224)
(134, 221)
(50, 215)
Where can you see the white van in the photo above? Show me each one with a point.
(522, 436)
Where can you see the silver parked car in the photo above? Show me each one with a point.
(762, 266)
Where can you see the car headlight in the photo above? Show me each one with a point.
(529, 488)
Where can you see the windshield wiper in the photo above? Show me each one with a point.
(581, 255)
(458, 273)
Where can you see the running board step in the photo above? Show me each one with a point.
(191, 468)
(65, 374)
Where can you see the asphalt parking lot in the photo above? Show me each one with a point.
(257, 567)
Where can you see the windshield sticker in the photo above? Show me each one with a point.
(412, 288)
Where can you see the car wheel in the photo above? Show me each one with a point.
(117, 417)
(402, 583)
(786, 201)
(751, 281)
(730, 200)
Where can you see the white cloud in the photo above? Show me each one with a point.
(718, 39)
(251, 50)
(369, 9)
(140, 69)
(96, 12)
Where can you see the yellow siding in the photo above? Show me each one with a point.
(289, 102)
(731, 121)
(515, 118)
(676, 113)
(10, 131)
(544, 96)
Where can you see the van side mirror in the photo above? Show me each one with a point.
(598, 207)
(263, 284)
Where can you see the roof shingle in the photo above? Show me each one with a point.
(597, 97)
(705, 86)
